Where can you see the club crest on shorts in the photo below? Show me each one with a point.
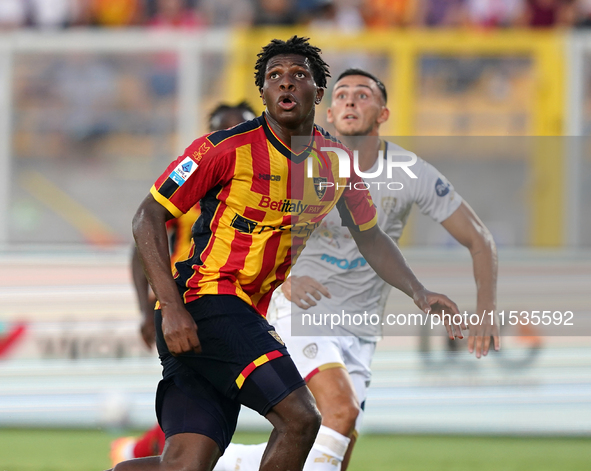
(311, 350)
(275, 335)
(320, 186)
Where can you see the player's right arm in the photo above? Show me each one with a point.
(358, 212)
(177, 190)
(149, 230)
(384, 256)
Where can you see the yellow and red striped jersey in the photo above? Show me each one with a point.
(258, 207)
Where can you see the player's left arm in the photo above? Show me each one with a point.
(467, 228)
(384, 256)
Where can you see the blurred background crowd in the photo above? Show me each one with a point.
(345, 15)
(98, 107)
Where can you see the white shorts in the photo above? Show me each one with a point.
(317, 353)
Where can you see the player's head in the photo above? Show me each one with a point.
(358, 105)
(225, 116)
(291, 77)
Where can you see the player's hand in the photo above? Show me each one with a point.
(179, 331)
(298, 289)
(480, 334)
(438, 304)
(148, 329)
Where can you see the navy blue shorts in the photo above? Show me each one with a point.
(243, 361)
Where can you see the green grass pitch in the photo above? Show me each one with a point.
(87, 450)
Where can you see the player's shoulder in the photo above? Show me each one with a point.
(223, 142)
(236, 136)
(430, 182)
(419, 167)
(323, 137)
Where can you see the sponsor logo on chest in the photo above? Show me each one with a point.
(290, 206)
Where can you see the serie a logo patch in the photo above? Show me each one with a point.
(183, 171)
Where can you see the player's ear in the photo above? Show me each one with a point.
(319, 95)
(329, 116)
(384, 115)
(262, 96)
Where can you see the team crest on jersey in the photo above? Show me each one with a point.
(388, 204)
(275, 335)
(183, 171)
(320, 186)
(441, 187)
(311, 350)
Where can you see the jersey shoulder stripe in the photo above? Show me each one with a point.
(238, 132)
(326, 135)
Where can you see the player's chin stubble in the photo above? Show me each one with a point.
(355, 132)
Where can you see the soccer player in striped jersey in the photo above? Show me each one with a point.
(332, 274)
(179, 229)
(258, 209)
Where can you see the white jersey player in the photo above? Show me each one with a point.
(331, 254)
(331, 275)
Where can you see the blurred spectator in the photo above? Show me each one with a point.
(307, 6)
(173, 14)
(219, 13)
(52, 13)
(81, 13)
(116, 13)
(388, 13)
(441, 13)
(495, 13)
(344, 15)
(87, 87)
(548, 13)
(583, 13)
(348, 15)
(13, 14)
(275, 12)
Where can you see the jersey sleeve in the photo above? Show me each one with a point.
(434, 194)
(355, 205)
(192, 175)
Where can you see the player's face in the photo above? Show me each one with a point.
(289, 91)
(357, 107)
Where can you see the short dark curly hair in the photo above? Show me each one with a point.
(294, 45)
(243, 106)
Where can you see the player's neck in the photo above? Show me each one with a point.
(285, 133)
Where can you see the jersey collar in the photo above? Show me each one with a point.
(284, 148)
